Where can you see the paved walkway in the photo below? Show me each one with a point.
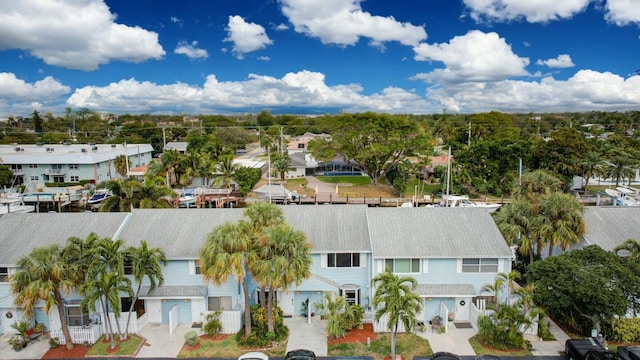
(304, 335)
(34, 350)
(160, 344)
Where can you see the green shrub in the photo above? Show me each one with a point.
(626, 330)
(260, 334)
(191, 337)
(213, 326)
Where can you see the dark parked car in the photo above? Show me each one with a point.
(488, 357)
(587, 349)
(442, 355)
(300, 354)
(629, 352)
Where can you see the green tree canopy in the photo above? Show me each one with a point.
(374, 143)
(586, 287)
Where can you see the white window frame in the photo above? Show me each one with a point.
(4, 274)
(411, 262)
(352, 256)
(223, 302)
(480, 265)
(194, 267)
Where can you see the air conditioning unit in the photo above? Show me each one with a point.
(17, 149)
(83, 150)
(113, 146)
(94, 149)
(50, 150)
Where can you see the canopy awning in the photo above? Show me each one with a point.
(174, 292)
(446, 290)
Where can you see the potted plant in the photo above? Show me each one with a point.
(451, 316)
(53, 342)
(21, 327)
(17, 342)
(39, 328)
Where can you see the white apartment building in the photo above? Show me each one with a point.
(35, 165)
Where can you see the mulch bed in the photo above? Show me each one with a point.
(356, 336)
(61, 352)
(220, 337)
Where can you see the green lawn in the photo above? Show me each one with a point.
(480, 349)
(126, 348)
(355, 180)
(407, 345)
(227, 348)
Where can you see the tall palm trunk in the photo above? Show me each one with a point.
(105, 306)
(270, 311)
(247, 308)
(393, 342)
(63, 321)
(263, 296)
(131, 307)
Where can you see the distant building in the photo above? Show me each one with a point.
(35, 165)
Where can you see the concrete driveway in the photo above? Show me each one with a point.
(304, 335)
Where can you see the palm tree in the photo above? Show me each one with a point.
(560, 222)
(44, 275)
(333, 307)
(283, 258)
(262, 215)
(120, 163)
(629, 248)
(224, 255)
(510, 279)
(145, 262)
(156, 197)
(620, 167)
(494, 289)
(282, 165)
(225, 170)
(592, 161)
(536, 183)
(395, 297)
(515, 223)
(105, 288)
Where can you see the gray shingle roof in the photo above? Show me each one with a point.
(20, 233)
(180, 292)
(435, 232)
(331, 228)
(609, 227)
(445, 289)
(179, 232)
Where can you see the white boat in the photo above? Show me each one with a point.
(99, 195)
(14, 205)
(622, 196)
(464, 201)
(187, 198)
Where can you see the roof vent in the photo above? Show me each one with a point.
(50, 150)
(39, 144)
(113, 146)
(92, 143)
(94, 149)
(83, 150)
(17, 149)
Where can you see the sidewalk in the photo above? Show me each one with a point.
(159, 343)
(303, 335)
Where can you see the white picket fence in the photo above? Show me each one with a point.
(231, 321)
(134, 326)
(79, 334)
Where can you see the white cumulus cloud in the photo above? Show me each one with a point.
(473, 57)
(19, 96)
(623, 12)
(190, 50)
(246, 37)
(305, 89)
(587, 90)
(533, 11)
(343, 22)
(80, 34)
(562, 61)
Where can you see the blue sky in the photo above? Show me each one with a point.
(319, 56)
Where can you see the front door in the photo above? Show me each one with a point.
(285, 302)
(462, 309)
